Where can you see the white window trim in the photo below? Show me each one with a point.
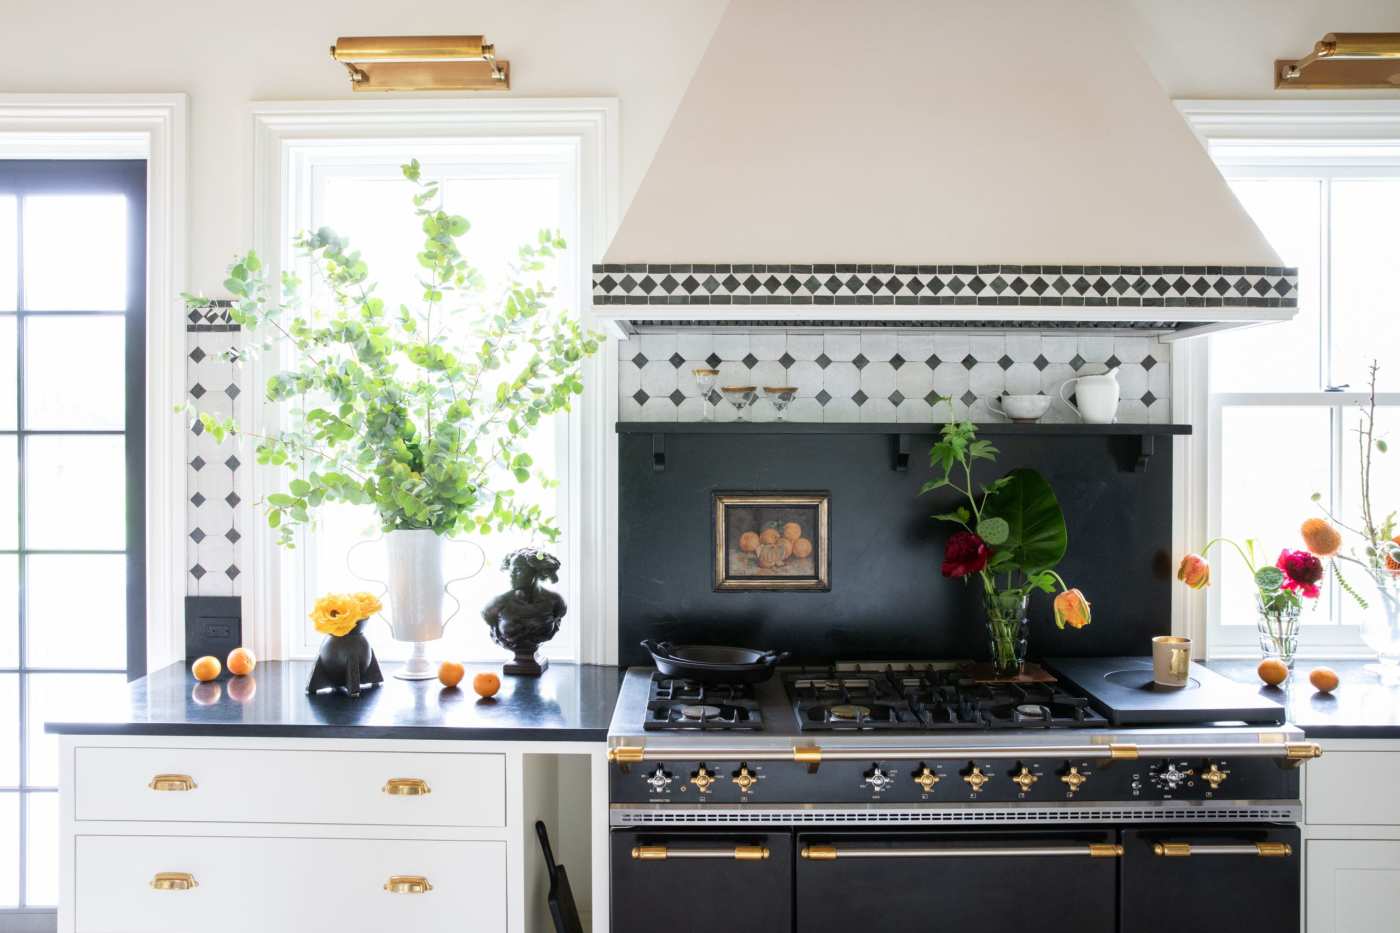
(1330, 124)
(593, 123)
(150, 127)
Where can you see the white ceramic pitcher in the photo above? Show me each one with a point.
(1097, 396)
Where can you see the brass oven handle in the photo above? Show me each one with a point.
(172, 782)
(832, 853)
(407, 884)
(174, 881)
(407, 787)
(1288, 753)
(1260, 849)
(737, 853)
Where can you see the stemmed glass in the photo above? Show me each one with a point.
(740, 397)
(780, 397)
(705, 381)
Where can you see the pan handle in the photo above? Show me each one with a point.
(772, 658)
(657, 650)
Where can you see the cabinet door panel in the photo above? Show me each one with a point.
(1352, 885)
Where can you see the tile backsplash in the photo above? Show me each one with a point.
(887, 375)
(213, 566)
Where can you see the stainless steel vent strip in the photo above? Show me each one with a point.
(815, 754)
(965, 816)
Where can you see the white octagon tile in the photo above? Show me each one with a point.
(951, 379)
(988, 348)
(878, 345)
(877, 410)
(841, 411)
(987, 380)
(877, 381)
(914, 380)
(769, 373)
(768, 346)
(658, 379)
(805, 346)
(807, 376)
(804, 409)
(843, 346)
(731, 346)
(841, 380)
(1022, 379)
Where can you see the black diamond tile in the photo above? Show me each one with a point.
(197, 428)
(639, 360)
(1041, 362)
(823, 361)
(232, 391)
(197, 571)
(1113, 362)
(197, 390)
(896, 397)
(1077, 362)
(232, 499)
(232, 572)
(232, 463)
(933, 398)
(197, 464)
(233, 535)
(750, 360)
(969, 397)
(786, 360)
(969, 361)
(933, 362)
(195, 317)
(1148, 362)
(715, 397)
(1148, 398)
(860, 361)
(198, 355)
(823, 397)
(1005, 361)
(640, 397)
(713, 361)
(197, 499)
(676, 397)
(897, 361)
(860, 398)
(677, 360)
(198, 535)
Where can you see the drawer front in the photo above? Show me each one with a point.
(1352, 789)
(234, 885)
(271, 786)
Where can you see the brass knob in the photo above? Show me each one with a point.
(407, 787)
(702, 780)
(174, 881)
(1025, 779)
(407, 884)
(976, 778)
(1074, 779)
(1214, 776)
(744, 779)
(926, 779)
(172, 782)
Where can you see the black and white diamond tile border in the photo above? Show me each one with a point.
(989, 286)
(213, 553)
(887, 376)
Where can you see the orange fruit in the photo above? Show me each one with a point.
(206, 668)
(1272, 671)
(792, 531)
(240, 661)
(748, 542)
(451, 673)
(486, 684)
(1324, 679)
(768, 536)
(802, 548)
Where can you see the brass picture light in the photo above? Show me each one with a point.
(422, 63)
(1344, 61)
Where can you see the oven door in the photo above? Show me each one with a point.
(706, 880)
(1059, 881)
(1240, 879)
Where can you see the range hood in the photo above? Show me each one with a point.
(934, 164)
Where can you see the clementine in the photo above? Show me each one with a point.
(1273, 671)
(768, 536)
(451, 673)
(1324, 679)
(748, 542)
(240, 661)
(792, 531)
(802, 548)
(206, 668)
(486, 684)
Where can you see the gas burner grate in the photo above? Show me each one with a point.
(677, 704)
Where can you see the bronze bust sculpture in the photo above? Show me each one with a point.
(528, 615)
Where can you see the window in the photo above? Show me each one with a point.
(1283, 399)
(72, 474)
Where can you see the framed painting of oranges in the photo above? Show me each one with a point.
(772, 541)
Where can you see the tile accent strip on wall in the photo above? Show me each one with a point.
(212, 547)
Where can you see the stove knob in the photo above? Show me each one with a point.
(926, 779)
(659, 779)
(877, 779)
(744, 778)
(1172, 777)
(702, 779)
(1025, 779)
(976, 778)
(1214, 776)
(1073, 779)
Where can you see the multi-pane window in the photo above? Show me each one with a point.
(1284, 397)
(72, 603)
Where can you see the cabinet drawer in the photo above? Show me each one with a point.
(271, 885)
(271, 786)
(1352, 788)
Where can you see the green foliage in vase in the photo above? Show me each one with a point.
(421, 412)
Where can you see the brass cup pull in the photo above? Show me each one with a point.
(407, 884)
(738, 853)
(172, 782)
(174, 881)
(1259, 849)
(407, 787)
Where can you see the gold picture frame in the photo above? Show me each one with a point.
(772, 541)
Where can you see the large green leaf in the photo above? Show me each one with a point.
(1037, 538)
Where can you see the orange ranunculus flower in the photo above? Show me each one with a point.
(1194, 571)
(1392, 557)
(369, 604)
(1321, 538)
(1072, 609)
(336, 614)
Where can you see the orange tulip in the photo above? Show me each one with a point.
(1072, 609)
(1194, 571)
(1321, 538)
(1392, 557)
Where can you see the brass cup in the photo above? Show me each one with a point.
(1171, 660)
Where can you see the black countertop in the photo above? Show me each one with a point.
(1360, 708)
(569, 703)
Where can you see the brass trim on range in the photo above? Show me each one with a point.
(407, 787)
(664, 853)
(1186, 850)
(1287, 753)
(1302, 751)
(173, 881)
(627, 754)
(807, 754)
(1344, 60)
(827, 853)
(421, 63)
(407, 884)
(172, 782)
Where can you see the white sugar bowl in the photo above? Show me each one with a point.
(1024, 408)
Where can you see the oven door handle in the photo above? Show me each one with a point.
(827, 853)
(665, 853)
(1258, 849)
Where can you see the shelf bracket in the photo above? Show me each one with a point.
(1147, 446)
(658, 453)
(901, 453)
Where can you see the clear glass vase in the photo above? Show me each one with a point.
(1380, 628)
(1008, 631)
(1278, 631)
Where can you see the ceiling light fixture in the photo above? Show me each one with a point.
(1344, 61)
(422, 63)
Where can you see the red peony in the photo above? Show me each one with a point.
(966, 553)
(1302, 571)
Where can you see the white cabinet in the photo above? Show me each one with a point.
(1353, 886)
(1347, 787)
